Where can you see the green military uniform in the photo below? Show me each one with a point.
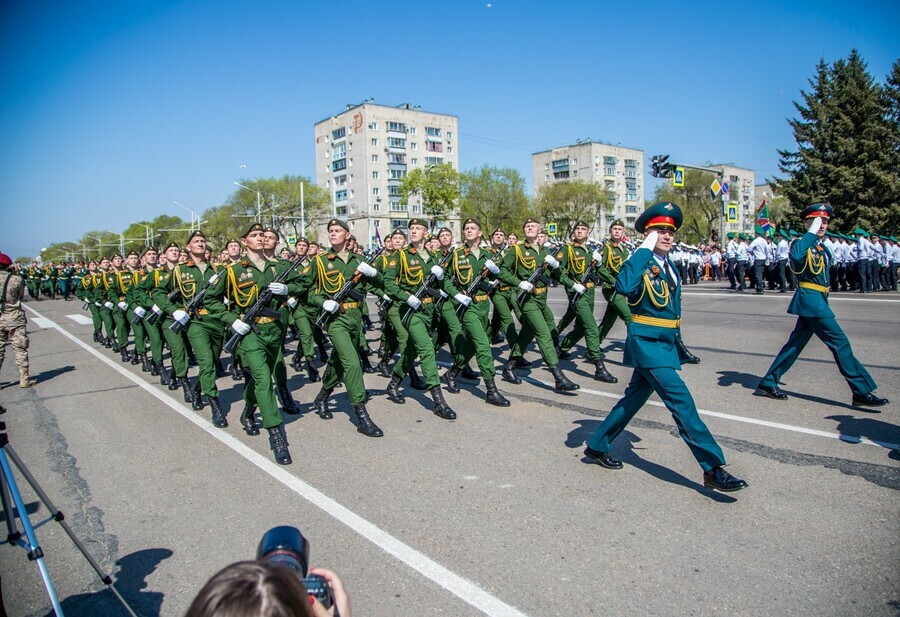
(390, 337)
(141, 297)
(447, 327)
(166, 298)
(85, 293)
(504, 301)
(118, 284)
(614, 255)
(106, 287)
(64, 280)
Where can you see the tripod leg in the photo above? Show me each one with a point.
(13, 533)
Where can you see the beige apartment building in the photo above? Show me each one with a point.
(362, 154)
(619, 170)
(741, 196)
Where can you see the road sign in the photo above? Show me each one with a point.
(732, 214)
(714, 189)
(724, 188)
(551, 229)
(292, 240)
(678, 178)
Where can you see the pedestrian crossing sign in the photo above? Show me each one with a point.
(678, 178)
(292, 240)
(551, 229)
(732, 214)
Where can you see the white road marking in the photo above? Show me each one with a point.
(787, 296)
(462, 588)
(84, 320)
(727, 416)
(42, 322)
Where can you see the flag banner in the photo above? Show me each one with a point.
(763, 224)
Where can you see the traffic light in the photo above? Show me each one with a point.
(659, 167)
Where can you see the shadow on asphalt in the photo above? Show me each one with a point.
(876, 430)
(730, 378)
(48, 375)
(130, 582)
(30, 508)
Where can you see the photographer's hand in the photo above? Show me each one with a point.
(341, 599)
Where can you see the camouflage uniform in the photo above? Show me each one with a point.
(12, 323)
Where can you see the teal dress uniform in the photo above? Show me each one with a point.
(811, 261)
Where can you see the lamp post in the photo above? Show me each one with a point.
(258, 200)
(148, 238)
(193, 214)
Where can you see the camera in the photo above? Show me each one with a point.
(287, 547)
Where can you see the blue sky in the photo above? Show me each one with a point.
(113, 110)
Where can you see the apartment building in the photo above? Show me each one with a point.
(741, 197)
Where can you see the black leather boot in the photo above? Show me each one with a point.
(248, 421)
(173, 381)
(145, 363)
(96, 336)
(393, 391)
(440, 406)
(468, 373)
(218, 415)
(287, 401)
(295, 360)
(369, 325)
(197, 396)
(236, 373)
(154, 369)
(220, 370)
(562, 355)
(562, 382)
(493, 396)
(601, 374)
(509, 372)
(522, 362)
(279, 444)
(320, 404)
(186, 386)
(115, 346)
(323, 353)
(416, 382)
(450, 379)
(312, 372)
(366, 365)
(134, 357)
(365, 425)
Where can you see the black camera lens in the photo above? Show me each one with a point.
(286, 546)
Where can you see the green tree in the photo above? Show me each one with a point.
(702, 215)
(846, 147)
(495, 197)
(566, 203)
(437, 188)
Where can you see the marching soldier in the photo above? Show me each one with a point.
(612, 256)
(259, 349)
(653, 348)
(327, 275)
(141, 303)
(115, 295)
(521, 262)
(85, 293)
(107, 281)
(502, 325)
(166, 301)
(271, 239)
(126, 279)
(810, 260)
(467, 264)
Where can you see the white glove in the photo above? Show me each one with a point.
(292, 302)
(526, 286)
(438, 272)
(240, 327)
(650, 241)
(97, 304)
(156, 310)
(386, 298)
(551, 261)
(122, 306)
(492, 267)
(330, 306)
(140, 312)
(578, 288)
(463, 299)
(366, 270)
(596, 256)
(413, 302)
(816, 225)
(279, 289)
(213, 280)
(181, 317)
(443, 293)
(108, 305)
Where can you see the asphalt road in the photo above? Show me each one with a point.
(493, 513)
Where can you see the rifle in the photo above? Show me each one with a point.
(425, 288)
(477, 283)
(261, 308)
(152, 317)
(195, 304)
(537, 275)
(86, 305)
(347, 290)
(588, 276)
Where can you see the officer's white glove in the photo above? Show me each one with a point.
(526, 286)
(108, 305)
(550, 260)
(366, 270)
(140, 312)
(816, 225)
(596, 256)
(97, 304)
(240, 327)
(443, 293)
(578, 288)
(330, 306)
(122, 306)
(438, 272)
(413, 302)
(181, 317)
(463, 299)
(156, 310)
(279, 289)
(213, 280)
(492, 267)
(650, 241)
(292, 302)
(386, 298)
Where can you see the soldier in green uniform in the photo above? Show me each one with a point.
(141, 304)
(126, 279)
(389, 335)
(520, 262)
(233, 251)
(108, 283)
(614, 255)
(405, 273)
(653, 348)
(503, 327)
(467, 264)
(64, 279)
(115, 294)
(271, 239)
(577, 263)
(810, 261)
(85, 293)
(259, 350)
(48, 280)
(33, 278)
(204, 331)
(166, 300)
(327, 275)
(448, 328)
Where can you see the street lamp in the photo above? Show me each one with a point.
(258, 200)
(148, 239)
(193, 214)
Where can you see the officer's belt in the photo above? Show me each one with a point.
(349, 305)
(482, 297)
(503, 288)
(821, 288)
(262, 320)
(659, 322)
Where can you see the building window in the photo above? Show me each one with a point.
(449, 135)
(413, 146)
(397, 127)
(631, 185)
(338, 133)
(396, 206)
(433, 160)
(394, 191)
(374, 175)
(561, 175)
(630, 163)
(397, 142)
(351, 177)
(341, 210)
(374, 158)
(376, 223)
(397, 159)
(376, 191)
(376, 207)
(397, 174)
(574, 161)
(414, 161)
(399, 223)
(609, 171)
(574, 173)
(338, 165)
(417, 209)
(374, 143)
(561, 164)
(546, 165)
(339, 151)
(373, 126)
(340, 180)
(449, 149)
(350, 193)
(631, 197)
(340, 195)
(546, 177)
(434, 146)
(631, 209)
(412, 130)
(630, 173)
(609, 160)
(432, 131)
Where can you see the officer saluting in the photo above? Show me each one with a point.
(653, 348)
(810, 261)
